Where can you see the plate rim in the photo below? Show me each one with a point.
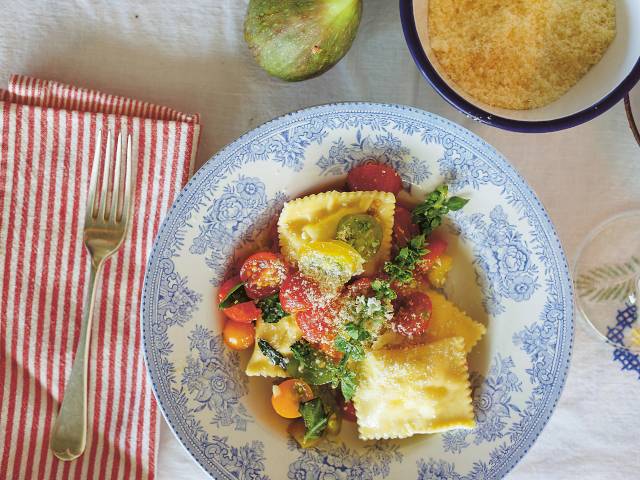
(566, 333)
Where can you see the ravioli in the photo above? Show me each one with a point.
(417, 389)
(316, 218)
(280, 336)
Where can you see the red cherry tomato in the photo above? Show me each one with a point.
(262, 274)
(349, 412)
(299, 292)
(437, 246)
(403, 227)
(361, 287)
(374, 177)
(244, 312)
(413, 313)
(318, 325)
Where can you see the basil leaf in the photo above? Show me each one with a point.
(315, 419)
(272, 354)
(271, 308)
(456, 203)
(235, 296)
(311, 365)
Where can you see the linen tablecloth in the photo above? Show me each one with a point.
(192, 54)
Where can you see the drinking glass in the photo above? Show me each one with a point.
(607, 279)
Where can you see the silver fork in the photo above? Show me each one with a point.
(105, 227)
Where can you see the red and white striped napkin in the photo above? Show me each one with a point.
(47, 140)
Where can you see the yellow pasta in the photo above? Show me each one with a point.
(418, 389)
(280, 336)
(447, 321)
(316, 217)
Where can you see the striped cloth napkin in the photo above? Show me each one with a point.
(47, 140)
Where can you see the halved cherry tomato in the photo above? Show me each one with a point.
(299, 292)
(436, 246)
(374, 177)
(318, 325)
(245, 312)
(403, 227)
(288, 396)
(238, 336)
(361, 287)
(262, 274)
(349, 411)
(413, 313)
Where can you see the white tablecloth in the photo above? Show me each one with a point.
(191, 56)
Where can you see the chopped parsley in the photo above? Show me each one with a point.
(383, 290)
(272, 354)
(428, 215)
(271, 309)
(402, 266)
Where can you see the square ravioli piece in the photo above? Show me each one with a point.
(419, 389)
(316, 218)
(280, 336)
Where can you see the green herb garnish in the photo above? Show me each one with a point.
(316, 368)
(383, 290)
(315, 418)
(428, 215)
(271, 308)
(235, 296)
(402, 266)
(272, 354)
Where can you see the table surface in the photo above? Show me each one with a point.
(191, 56)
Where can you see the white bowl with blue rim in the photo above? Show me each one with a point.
(510, 273)
(604, 85)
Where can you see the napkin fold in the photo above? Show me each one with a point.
(47, 142)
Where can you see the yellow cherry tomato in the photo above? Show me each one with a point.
(331, 262)
(438, 272)
(288, 396)
(238, 336)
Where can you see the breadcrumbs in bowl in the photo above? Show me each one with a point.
(519, 54)
(526, 65)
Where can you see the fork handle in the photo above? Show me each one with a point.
(70, 429)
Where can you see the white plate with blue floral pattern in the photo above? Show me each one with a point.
(510, 273)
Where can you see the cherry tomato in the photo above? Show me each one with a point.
(437, 246)
(262, 274)
(245, 312)
(349, 411)
(403, 227)
(318, 325)
(288, 396)
(361, 287)
(374, 177)
(413, 313)
(238, 336)
(299, 292)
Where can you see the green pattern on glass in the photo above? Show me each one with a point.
(612, 282)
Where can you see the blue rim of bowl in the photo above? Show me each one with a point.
(564, 346)
(542, 126)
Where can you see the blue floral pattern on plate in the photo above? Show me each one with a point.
(520, 267)
(335, 460)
